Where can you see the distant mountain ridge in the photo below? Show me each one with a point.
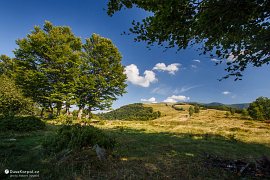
(237, 106)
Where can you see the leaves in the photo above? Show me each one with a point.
(223, 28)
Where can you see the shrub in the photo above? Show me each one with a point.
(191, 110)
(196, 109)
(244, 114)
(12, 100)
(232, 111)
(227, 114)
(64, 119)
(21, 124)
(76, 137)
(260, 109)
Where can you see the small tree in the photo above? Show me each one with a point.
(244, 114)
(260, 109)
(12, 101)
(227, 114)
(232, 111)
(191, 110)
(196, 109)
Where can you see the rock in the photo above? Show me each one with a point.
(101, 152)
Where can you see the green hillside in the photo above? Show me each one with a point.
(135, 111)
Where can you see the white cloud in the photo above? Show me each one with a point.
(215, 60)
(193, 66)
(165, 90)
(171, 68)
(133, 76)
(196, 60)
(162, 90)
(150, 100)
(226, 92)
(174, 99)
(185, 89)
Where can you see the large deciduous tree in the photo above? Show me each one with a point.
(55, 68)
(47, 61)
(238, 31)
(101, 77)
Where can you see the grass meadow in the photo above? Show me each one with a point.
(170, 147)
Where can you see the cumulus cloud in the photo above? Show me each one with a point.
(133, 76)
(150, 100)
(174, 99)
(226, 92)
(171, 68)
(196, 60)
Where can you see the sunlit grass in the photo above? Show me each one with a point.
(170, 147)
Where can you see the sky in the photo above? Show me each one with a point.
(153, 75)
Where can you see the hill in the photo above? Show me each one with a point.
(237, 106)
(135, 111)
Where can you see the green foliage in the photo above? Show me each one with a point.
(6, 66)
(227, 114)
(222, 108)
(225, 29)
(21, 124)
(191, 110)
(12, 101)
(64, 119)
(232, 111)
(132, 112)
(244, 114)
(76, 137)
(101, 74)
(260, 109)
(55, 68)
(197, 109)
(47, 62)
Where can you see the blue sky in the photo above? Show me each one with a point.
(176, 77)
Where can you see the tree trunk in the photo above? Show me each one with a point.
(67, 109)
(59, 107)
(42, 113)
(89, 113)
(79, 116)
(51, 112)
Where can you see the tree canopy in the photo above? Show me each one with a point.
(234, 31)
(260, 109)
(55, 68)
(101, 77)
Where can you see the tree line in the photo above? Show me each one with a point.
(136, 111)
(54, 69)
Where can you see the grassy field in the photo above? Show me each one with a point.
(170, 147)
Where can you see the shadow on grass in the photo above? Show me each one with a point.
(137, 155)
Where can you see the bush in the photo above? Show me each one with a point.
(260, 109)
(64, 119)
(244, 114)
(191, 110)
(196, 109)
(21, 124)
(12, 101)
(76, 137)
